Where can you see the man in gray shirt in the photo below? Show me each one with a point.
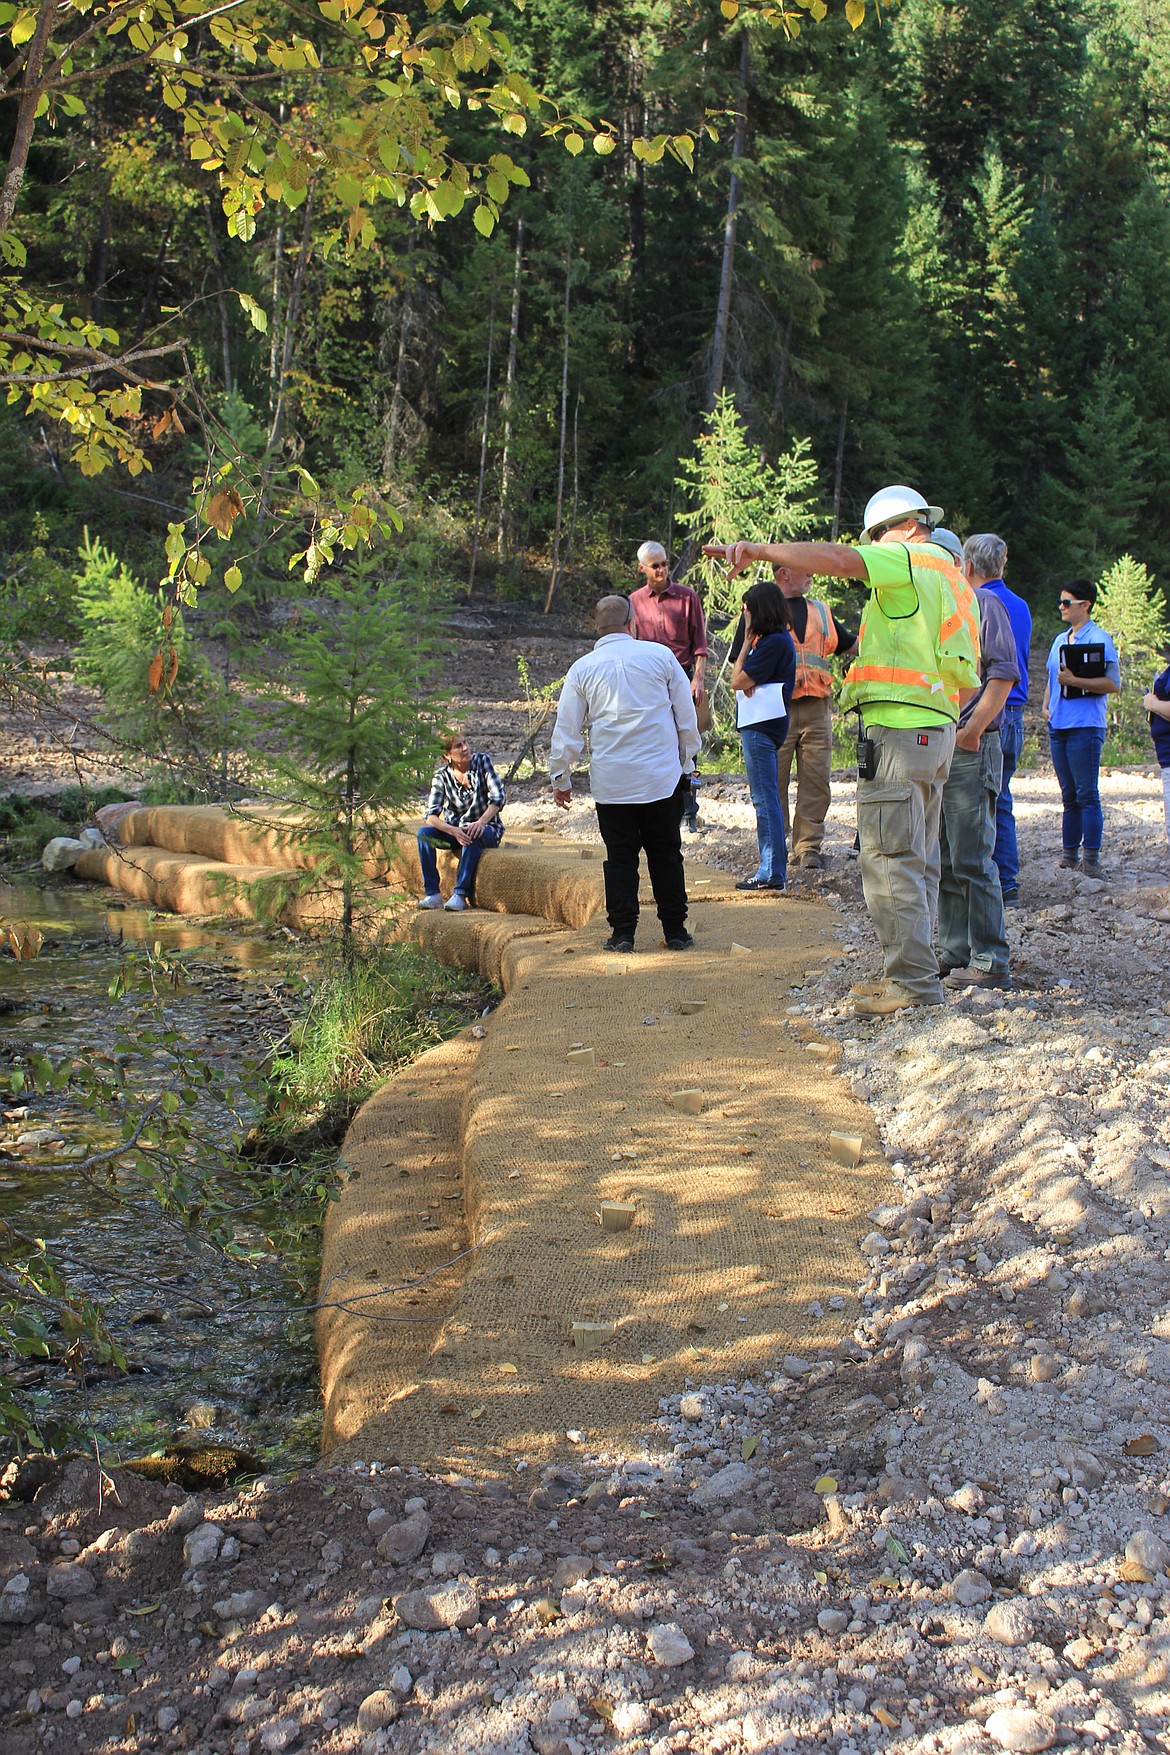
(973, 947)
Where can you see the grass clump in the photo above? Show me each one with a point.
(366, 1020)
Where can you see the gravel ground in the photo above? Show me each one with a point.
(950, 1535)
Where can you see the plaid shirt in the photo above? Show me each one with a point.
(460, 804)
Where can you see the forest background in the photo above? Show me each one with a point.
(934, 247)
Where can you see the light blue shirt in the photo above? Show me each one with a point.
(1085, 711)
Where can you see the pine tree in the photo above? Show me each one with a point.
(1103, 489)
(1130, 608)
(354, 708)
(731, 492)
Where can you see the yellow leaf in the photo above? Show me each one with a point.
(748, 1448)
(885, 1718)
(885, 1582)
(233, 579)
(729, 8)
(649, 1358)
(826, 1484)
(602, 1707)
(855, 12)
(476, 1413)
(147, 1609)
(603, 144)
(982, 1677)
(547, 1610)
(573, 144)
(511, 1370)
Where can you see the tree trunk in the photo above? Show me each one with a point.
(726, 273)
(290, 323)
(483, 444)
(556, 554)
(225, 333)
(152, 286)
(841, 428)
(100, 269)
(510, 393)
(576, 478)
(26, 115)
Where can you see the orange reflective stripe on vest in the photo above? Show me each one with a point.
(888, 673)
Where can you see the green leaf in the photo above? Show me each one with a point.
(256, 314)
(484, 220)
(233, 579)
(603, 144)
(574, 143)
(748, 1448)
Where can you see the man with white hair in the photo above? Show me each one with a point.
(984, 560)
(672, 615)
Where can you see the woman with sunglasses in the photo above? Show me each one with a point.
(1075, 710)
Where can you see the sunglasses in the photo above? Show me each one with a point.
(1067, 602)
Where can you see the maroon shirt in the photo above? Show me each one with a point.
(673, 618)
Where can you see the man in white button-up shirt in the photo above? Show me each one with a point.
(633, 698)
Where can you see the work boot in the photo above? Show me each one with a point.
(998, 978)
(813, 860)
(1091, 863)
(1070, 858)
(893, 999)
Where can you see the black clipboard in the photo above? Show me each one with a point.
(1086, 661)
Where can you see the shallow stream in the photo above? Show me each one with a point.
(219, 1350)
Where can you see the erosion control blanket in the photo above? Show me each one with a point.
(620, 1181)
(663, 1083)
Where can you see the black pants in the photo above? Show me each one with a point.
(627, 830)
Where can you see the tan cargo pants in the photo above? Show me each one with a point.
(898, 815)
(810, 744)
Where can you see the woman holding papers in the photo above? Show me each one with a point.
(1082, 669)
(763, 678)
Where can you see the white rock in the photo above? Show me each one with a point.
(1146, 1548)
(691, 1405)
(669, 1645)
(631, 1718)
(969, 1587)
(401, 1681)
(280, 1734)
(1021, 1729)
(61, 853)
(1009, 1623)
(202, 1545)
(969, 1499)
(727, 1484)
(832, 1620)
(447, 1564)
(794, 1366)
(167, 1719)
(446, 1605)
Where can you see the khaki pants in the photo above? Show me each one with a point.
(810, 742)
(898, 815)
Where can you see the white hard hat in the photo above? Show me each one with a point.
(944, 538)
(895, 503)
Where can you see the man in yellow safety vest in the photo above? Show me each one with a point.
(918, 656)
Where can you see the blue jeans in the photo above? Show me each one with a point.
(970, 905)
(1076, 756)
(1007, 853)
(759, 761)
(429, 839)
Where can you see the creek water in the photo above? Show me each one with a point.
(219, 1348)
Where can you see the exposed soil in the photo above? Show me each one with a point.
(950, 1534)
